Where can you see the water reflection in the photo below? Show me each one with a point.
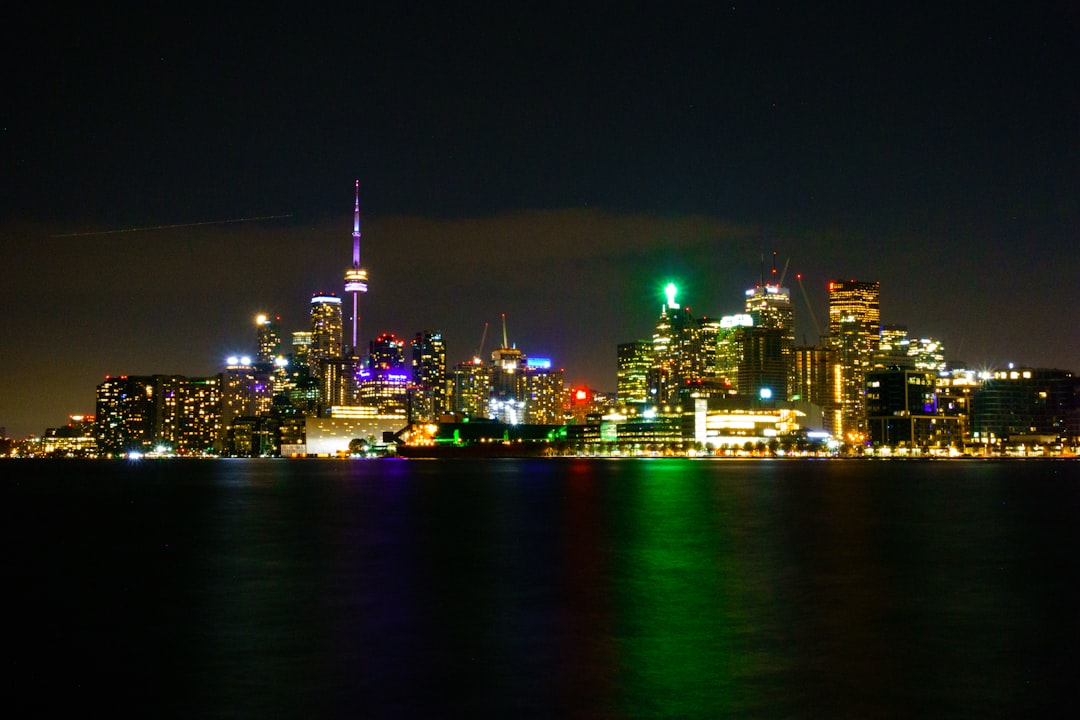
(597, 588)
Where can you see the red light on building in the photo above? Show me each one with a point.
(581, 395)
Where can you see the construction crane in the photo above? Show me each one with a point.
(809, 307)
(483, 337)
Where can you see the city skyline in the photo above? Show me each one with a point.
(945, 170)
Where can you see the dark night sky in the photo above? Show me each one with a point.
(552, 162)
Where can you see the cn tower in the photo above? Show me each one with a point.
(356, 276)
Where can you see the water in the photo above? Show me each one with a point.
(543, 588)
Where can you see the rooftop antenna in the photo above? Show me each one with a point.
(505, 343)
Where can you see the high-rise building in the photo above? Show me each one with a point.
(126, 414)
(301, 347)
(634, 361)
(677, 353)
(471, 388)
(325, 331)
(728, 349)
(383, 382)
(854, 337)
(811, 374)
(245, 392)
(927, 354)
(892, 349)
(428, 376)
(196, 427)
(506, 396)
(544, 392)
(769, 305)
(387, 390)
(387, 352)
(268, 339)
(764, 368)
(356, 277)
(142, 413)
(339, 384)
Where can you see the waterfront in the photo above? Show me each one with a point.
(563, 587)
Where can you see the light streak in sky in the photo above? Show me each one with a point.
(170, 227)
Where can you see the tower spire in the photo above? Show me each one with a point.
(356, 276)
(356, 230)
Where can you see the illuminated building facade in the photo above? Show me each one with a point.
(770, 308)
(812, 363)
(728, 349)
(544, 392)
(927, 354)
(897, 350)
(471, 388)
(245, 391)
(737, 422)
(125, 414)
(506, 392)
(902, 409)
(387, 352)
(676, 352)
(339, 383)
(196, 424)
(955, 388)
(428, 401)
(854, 337)
(892, 349)
(386, 390)
(301, 347)
(76, 439)
(252, 437)
(189, 413)
(325, 331)
(764, 368)
(268, 339)
(143, 413)
(1026, 406)
(329, 436)
(634, 362)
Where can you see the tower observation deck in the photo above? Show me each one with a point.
(356, 276)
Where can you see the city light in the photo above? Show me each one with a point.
(670, 292)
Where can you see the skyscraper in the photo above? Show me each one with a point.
(356, 276)
(635, 359)
(677, 353)
(384, 382)
(325, 331)
(268, 339)
(854, 336)
(387, 352)
(811, 374)
(764, 371)
(471, 388)
(543, 392)
(428, 376)
(774, 334)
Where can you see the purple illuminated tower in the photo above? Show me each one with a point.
(356, 276)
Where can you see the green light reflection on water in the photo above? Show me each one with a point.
(695, 600)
